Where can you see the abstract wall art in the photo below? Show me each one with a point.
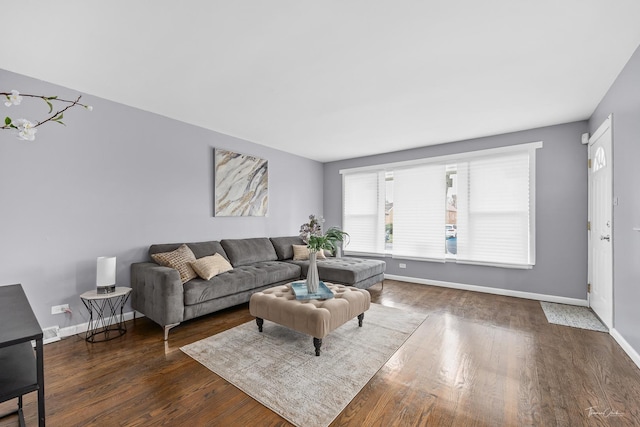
(241, 184)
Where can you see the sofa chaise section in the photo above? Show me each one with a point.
(358, 272)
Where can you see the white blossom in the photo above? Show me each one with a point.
(13, 99)
(26, 130)
(89, 107)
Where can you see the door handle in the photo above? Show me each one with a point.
(607, 238)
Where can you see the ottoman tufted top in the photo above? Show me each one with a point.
(314, 317)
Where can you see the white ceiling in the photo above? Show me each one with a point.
(332, 79)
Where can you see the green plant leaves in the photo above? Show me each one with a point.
(47, 99)
(8, 124)
(58, 119)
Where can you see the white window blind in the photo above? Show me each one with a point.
(363, 212)
(494, 200)
(419, 212)
(495, 207)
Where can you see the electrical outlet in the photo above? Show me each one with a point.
(402, 265)
(59, 309)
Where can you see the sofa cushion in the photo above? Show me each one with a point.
(209, 266)
(199, 249)
(301, 253)
(178, 259)
(248, 251)
(283, 246)
(240, 279)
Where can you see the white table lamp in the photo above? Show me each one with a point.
(106, 274)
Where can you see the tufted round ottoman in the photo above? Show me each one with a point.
(314, 317)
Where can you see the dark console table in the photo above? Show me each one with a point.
(20, 371)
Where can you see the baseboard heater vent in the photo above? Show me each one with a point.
(51, 334)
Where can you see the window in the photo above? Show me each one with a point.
(451, 214)
(480, 204)
(363, 211)
(599, 160)
(493, 210)
(419, 205)
(388, 211)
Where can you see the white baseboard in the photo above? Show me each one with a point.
(488, 290)
(633, 354)
(81, 328)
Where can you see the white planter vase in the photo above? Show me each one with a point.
(313, 280)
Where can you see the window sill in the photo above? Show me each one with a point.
(446, 259)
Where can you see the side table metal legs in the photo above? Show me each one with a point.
(104, 318)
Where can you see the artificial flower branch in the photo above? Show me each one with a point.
(26, 129)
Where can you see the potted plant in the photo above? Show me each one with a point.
(316, 240)
(334, 235)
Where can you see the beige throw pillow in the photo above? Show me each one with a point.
(209, 266)
(178, 259)
(301, 253)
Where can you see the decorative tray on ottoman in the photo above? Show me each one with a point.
(300, 291)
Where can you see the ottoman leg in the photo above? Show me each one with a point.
(360, 319)
(259, 322)
(317, 343)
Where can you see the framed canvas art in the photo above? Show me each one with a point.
(241, 184)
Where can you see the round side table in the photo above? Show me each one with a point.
(104, 318)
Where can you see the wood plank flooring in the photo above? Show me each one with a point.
(478, 360)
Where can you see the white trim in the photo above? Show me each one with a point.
(81, 328)
(488, 290)
(447, 158)
(410, 258)
(448, 258)
(357, 254)
(532, 209)
(604, 126)
(496, 264)
(631, 352)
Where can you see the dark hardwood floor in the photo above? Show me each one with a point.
(477, 360)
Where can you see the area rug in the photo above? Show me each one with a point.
(279, 369)
(572, 315)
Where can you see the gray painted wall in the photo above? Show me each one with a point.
(623, 100)
(112, 182)
(561, 214)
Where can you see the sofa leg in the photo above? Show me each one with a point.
(166, 329)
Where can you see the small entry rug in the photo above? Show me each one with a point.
(279, 369)
(571, 315)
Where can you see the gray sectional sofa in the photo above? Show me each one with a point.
(258, 263)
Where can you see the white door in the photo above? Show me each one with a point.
(600, 213)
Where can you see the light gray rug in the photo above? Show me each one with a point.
(278, 367)
(572, 315)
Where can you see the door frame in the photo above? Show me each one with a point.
(607, 124)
